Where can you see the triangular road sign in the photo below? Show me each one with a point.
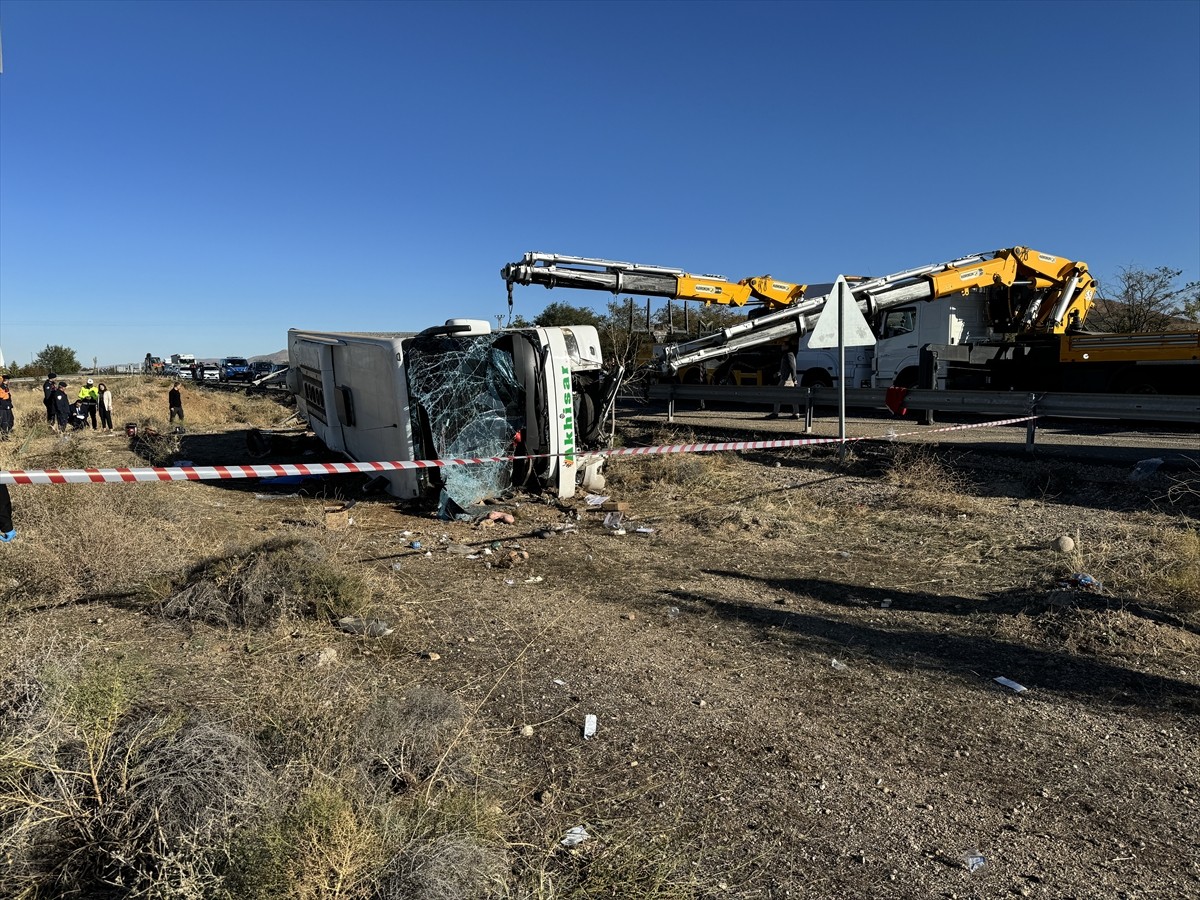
(854, 325)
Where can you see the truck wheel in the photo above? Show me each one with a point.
(907, 378)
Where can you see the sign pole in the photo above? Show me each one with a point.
(841, 322)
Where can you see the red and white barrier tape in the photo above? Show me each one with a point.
(217, 473)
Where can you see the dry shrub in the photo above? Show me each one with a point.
(321, 847)
(694, 471)
(102, 796)
(262, 585)
(1162, 568)
(453, 866)
(925, 482)
(405, 741)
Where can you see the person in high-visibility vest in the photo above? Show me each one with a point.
(6, 408)
(89, 396)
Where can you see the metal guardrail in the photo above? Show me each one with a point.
(1145, 407)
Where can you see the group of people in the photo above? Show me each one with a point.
(93, 402)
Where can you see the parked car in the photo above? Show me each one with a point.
(235, 368)
(209, 372)
(185, 373)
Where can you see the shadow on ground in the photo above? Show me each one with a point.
(961, 656)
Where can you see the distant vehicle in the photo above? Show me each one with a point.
(262, 368)
(235, 368)
(172, 370)
(185, 374)
(209, 372)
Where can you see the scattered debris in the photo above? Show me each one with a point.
(414, 545)
(838, 665)
(560, 682)
(432, 656)
(367, 627)
(1064, 543)
(527, 731)
(543, 534)
(276, 496)
(1009, 683)
(575, 836)
(613, 520)
(1145, 469)
(323, 657)
(1081, 581)
(460, 549)
(536, 579)
(589, 726)
(885, 603)
(595, 500)
(629, 617)
(495, 518)
(644, 529)
(513, 558)
(974, 860)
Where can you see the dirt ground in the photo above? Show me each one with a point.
(791, 663)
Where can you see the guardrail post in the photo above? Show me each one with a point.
(1031, 427)
(671, 404)
(808, 410)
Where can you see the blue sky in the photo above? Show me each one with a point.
(199, 177)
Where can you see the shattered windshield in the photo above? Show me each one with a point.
(469, 403)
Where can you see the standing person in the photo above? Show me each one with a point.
(48, 387)
(175, 402)
(6, 408)
(61, 406)
(8, 534)
(89, 397)
(104, 405)
(787, 378)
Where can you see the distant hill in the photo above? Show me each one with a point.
(280, 356)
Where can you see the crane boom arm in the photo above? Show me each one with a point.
(555, 270)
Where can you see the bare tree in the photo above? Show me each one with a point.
(1142, 300)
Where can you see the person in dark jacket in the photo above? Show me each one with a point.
(48, 387)
(175, 403)
(8, 534)
(6, 408)
(61, 406)
(787, 378)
